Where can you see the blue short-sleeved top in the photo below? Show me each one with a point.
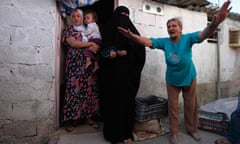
(178, 56)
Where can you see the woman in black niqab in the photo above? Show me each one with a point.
(119, 78)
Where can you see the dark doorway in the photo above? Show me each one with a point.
(104, 9)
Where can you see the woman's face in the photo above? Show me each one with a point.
(174, 30)
(76, 18)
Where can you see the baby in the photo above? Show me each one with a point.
(92, 34)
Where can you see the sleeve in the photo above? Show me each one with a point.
(194, 37)
(157, 43)
(106, 52)
(66, 33)
(95, 30)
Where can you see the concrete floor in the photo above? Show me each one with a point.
(97, 138)
(85, 134)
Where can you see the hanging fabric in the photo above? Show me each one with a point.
(67, 6)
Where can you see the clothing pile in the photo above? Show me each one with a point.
(215, 116)
(233, 134)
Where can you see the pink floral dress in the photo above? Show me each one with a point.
(81, 93)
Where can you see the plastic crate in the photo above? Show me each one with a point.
(213, 122)
(150, 107)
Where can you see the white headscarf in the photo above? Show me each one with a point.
(80, 27)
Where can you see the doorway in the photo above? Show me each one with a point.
(104, 11)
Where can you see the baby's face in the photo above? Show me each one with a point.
(88, 18)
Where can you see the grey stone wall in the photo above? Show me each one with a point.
(27, 79)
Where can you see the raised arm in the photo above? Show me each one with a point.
(139, 39)
(218, 18)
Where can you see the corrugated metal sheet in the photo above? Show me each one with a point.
(198, 5)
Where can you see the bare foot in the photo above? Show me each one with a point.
(96, 67)
(173, 139)
(88, 63)
(92, 123)
(127, 141)
(195, 136)
(71, 125)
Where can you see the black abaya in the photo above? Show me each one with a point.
(119, 79)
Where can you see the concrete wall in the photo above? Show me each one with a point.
(27, 67)
(229, 61)
(204, 54)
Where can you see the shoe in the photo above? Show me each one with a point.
(195, 136)
(173, 139)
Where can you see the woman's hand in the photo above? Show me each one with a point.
(218, 18)
(222, 13)
(112, 54)
(122, 52)
(94, 47)
(126, 32)
(137, 38)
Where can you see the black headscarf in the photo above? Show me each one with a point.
(112, 37)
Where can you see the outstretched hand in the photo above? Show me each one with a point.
(125, 32)
(222, 13)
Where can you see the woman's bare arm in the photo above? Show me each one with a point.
(218, 18)
(139, 39)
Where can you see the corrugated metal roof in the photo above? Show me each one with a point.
(185, 3)
(198, 5)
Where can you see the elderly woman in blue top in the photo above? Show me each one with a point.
(181, 72)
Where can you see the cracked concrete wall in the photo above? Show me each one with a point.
(27, 79)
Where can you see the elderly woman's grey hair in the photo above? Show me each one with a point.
(79, 11)
(176, 19)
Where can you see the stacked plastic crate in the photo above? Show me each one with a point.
(151, 107)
